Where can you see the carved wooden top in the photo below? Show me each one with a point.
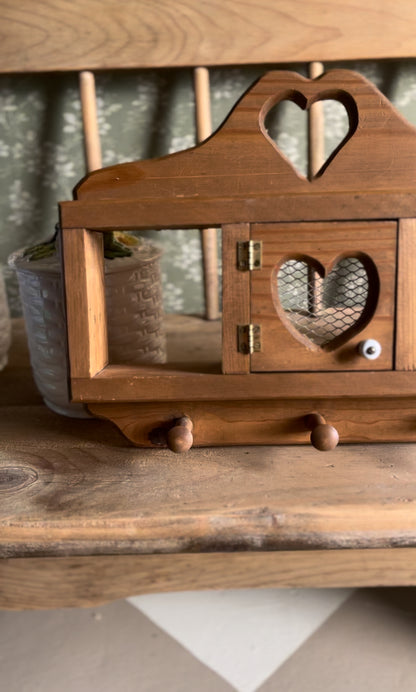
(239, 174)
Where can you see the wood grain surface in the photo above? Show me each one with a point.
(65, 582)
(283, 348)
(176, 212)
(85, 518)
(406, 297)
(239, 175)
(276, 421)
(235, 299)
(127, 383)
(97, 34)
(78, 488)
(85, 302)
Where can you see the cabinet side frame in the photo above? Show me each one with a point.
(406, 297)
(83, 269)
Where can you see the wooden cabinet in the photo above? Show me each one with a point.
(318, 281)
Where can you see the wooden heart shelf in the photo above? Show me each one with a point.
(318, 281)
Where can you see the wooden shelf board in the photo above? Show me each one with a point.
(142, 383)
(193, 343)
(75, 490)
(83, 490)
(32, 583)
(193, 372)
(168, 34)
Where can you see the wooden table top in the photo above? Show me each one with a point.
(77, 487)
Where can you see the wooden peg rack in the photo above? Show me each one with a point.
(318, 319)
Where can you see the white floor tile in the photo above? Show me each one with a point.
(243, 635)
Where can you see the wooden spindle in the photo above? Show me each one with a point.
(208, 235)
(316, 145)
(316, 158)
(90, 121)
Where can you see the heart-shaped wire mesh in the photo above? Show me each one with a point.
(322, 308)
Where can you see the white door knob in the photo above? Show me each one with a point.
(370, 349)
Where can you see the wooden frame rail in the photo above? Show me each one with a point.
(52, 35)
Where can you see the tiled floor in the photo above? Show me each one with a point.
(243, 635)
(316, 641)
(368, 645)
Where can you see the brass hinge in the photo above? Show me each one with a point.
(249, 338)
(249, 255)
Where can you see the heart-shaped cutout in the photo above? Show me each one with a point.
(287, 125)
(324, 309)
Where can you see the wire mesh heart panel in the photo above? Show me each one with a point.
(323, 308)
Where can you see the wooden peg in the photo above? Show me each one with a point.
(179, 437)
(323, 436)
(208, 235)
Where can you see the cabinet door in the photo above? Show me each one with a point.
(323, 288)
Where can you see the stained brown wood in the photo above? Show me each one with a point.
(52, 35)
(324, 436)
(283, 347)
(68, 582)
(235, 299)
(238, 174)
(277, 421)
(220, 210)
(83, 254)
(406, 297)
(179, 437)
(124, 383)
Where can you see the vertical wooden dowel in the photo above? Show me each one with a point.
(208, 235)
(84, 253)
(90, 121)
(202, 103)
(316, 148)
(316, 158)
